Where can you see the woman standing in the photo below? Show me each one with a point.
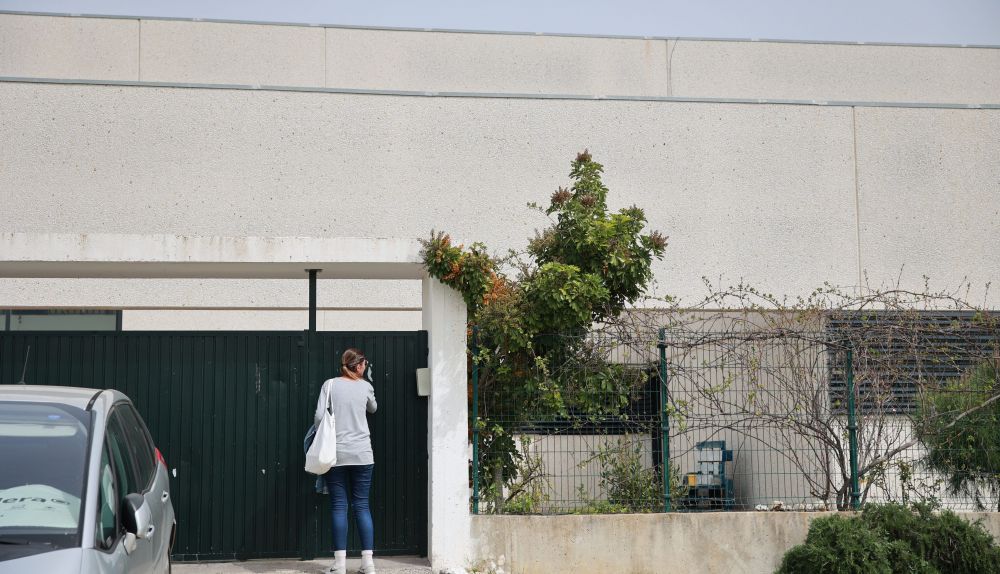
(350, 396)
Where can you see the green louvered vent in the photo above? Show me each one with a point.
(906, 351)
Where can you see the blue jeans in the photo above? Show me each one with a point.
(357, 478)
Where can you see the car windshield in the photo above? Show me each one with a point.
(43, 457)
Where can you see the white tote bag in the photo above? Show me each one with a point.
(322, 453)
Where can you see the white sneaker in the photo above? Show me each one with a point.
(367, 562)
(339, 565)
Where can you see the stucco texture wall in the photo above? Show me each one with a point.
(746, 190)
(58, 47)
(316, 56)
(835, 72)
(220, 53)
(497, 63)
(929, 196)
(766, 193)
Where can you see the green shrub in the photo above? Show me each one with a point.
(626, 482)
(838, 545)
(960, 427)
(894, 539)
(904, 560)
(944, 540)
(628, 485)
(597, 506)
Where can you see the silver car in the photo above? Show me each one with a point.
(82, 486)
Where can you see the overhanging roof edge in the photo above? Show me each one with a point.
(187, 256)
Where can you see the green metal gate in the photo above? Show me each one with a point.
(228, 410)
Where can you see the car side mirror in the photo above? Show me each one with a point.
(136, 518)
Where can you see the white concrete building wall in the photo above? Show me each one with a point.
(929, 194)
(441, 61)
(341, 294)
(66, 47)
(497, 63)
(268, 319)
(832, 72)
(219, 53)
(773, 194)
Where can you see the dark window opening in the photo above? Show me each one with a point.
(60, 320)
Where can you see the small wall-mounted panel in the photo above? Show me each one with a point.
(423, 382)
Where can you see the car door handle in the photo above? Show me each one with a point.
(165, 496)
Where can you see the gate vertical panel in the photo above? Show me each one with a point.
(160, 415)
(264, 447)
(204, 390)
(308, 500)
(174, 383)
(275, 438)
(50, 362)
(193, 404)
(245, 475)
(240, 428)
(215, 396)
(281, 422)
(228, 384)
(26, 353)
(199, 467)
(8, 362)
(269, 438)
(40, 358)
(181, 454)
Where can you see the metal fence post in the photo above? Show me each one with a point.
(474, 420)
(852, 430)
(664, 421)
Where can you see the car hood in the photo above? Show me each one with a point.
(55, 561)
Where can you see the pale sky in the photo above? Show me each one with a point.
(903, 21)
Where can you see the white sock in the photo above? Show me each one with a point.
(340, 560)
(366, 558)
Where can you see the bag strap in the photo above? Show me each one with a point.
(329, 398)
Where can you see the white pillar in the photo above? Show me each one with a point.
(449, 522)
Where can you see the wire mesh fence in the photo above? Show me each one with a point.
(581, 433)
(746, 420)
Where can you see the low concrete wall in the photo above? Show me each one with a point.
(732, 542)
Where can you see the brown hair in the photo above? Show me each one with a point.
(350, 359)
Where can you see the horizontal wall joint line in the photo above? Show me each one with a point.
(497, 95)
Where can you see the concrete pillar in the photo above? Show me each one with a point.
(449, 522)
